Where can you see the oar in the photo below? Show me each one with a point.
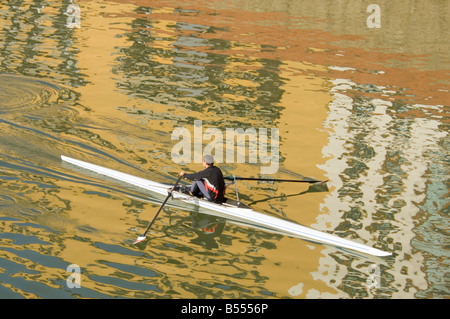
(141, 238)
(314, 188)
(232, 178)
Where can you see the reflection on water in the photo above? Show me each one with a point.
(383, 177)
(365, 108)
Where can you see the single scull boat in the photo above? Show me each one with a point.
(234, 211)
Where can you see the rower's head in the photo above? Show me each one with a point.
(208, 160)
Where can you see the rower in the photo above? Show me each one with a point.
(208, 182)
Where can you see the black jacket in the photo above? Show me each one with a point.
(214, 182)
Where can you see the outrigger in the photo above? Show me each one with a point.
(231, 209)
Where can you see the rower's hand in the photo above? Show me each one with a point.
(182, 173)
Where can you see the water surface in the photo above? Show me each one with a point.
(366, 108)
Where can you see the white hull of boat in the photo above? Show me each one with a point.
(246, 216)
